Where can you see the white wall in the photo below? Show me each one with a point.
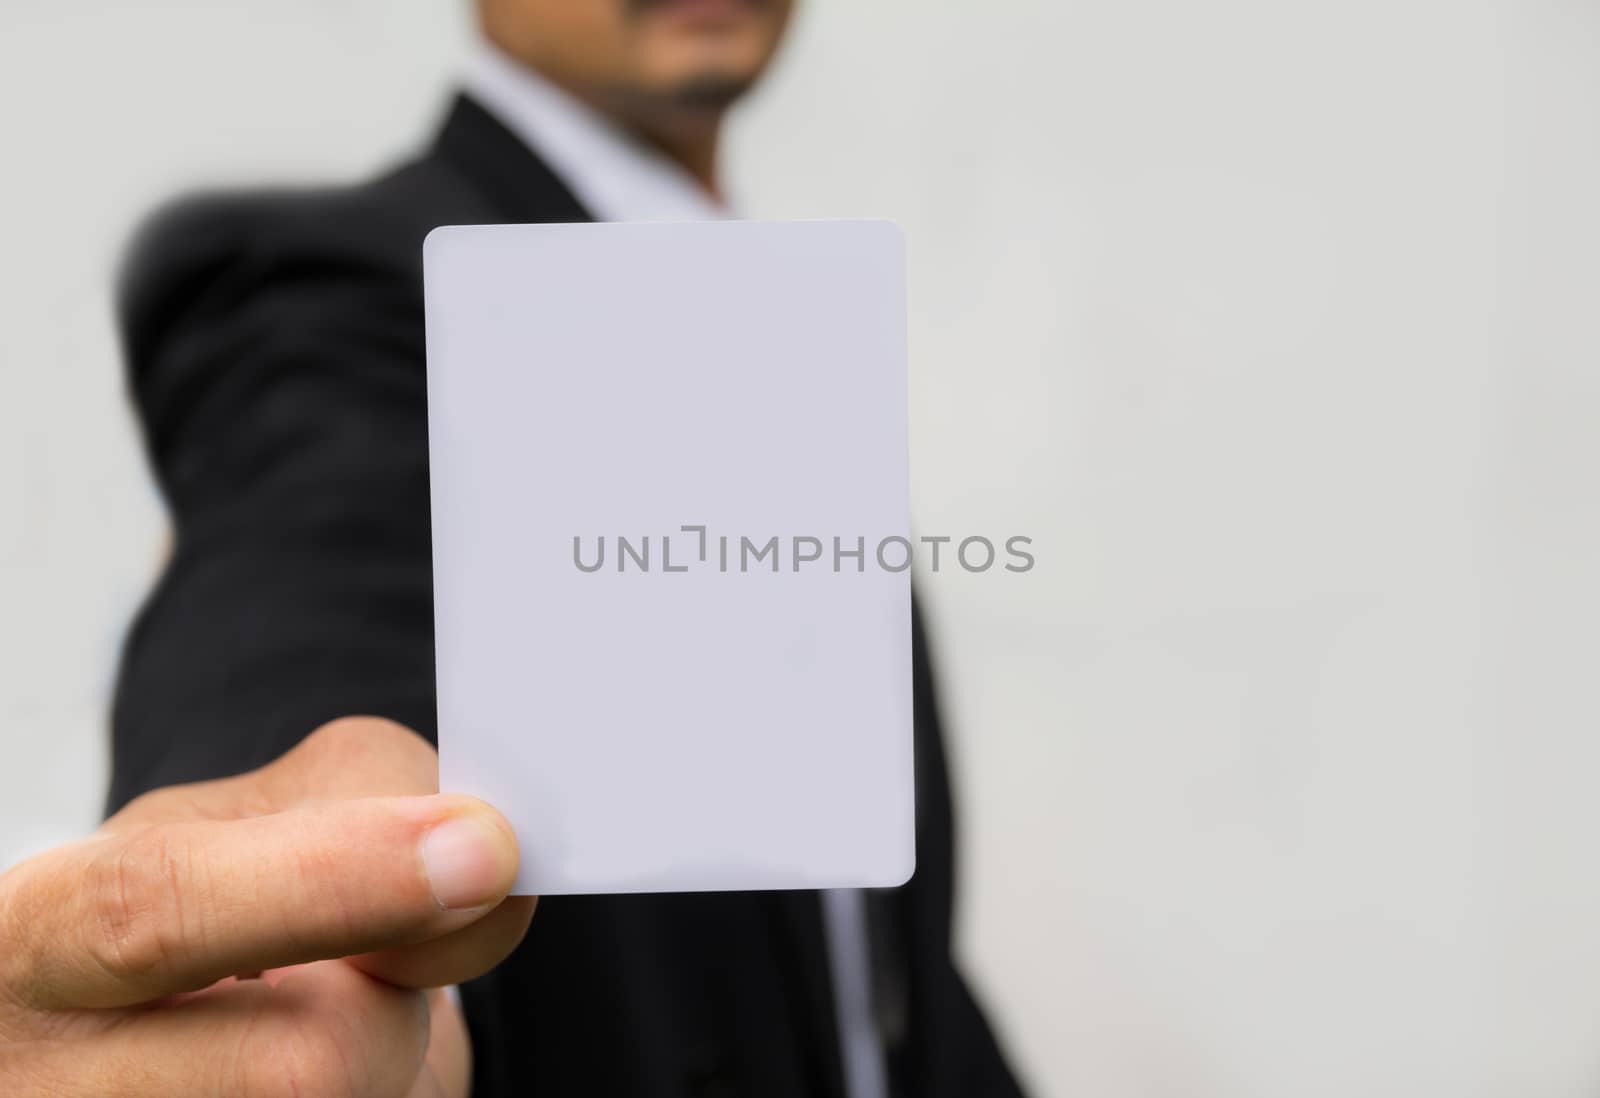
(1275, 324)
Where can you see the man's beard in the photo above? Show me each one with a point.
(712, 91)
(635, 7)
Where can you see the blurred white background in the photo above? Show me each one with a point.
(1276, 325)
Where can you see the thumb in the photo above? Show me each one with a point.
(176, 906)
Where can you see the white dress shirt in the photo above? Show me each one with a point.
(616, 177)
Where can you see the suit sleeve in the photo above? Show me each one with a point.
(278, 377)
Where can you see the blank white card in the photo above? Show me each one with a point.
(670, 523)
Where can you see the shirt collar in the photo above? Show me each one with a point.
(614, 175)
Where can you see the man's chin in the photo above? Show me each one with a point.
(710, 91)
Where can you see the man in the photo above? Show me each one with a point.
(261, 934)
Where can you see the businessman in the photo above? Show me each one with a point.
(280, 894)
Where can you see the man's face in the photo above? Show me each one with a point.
(645, 59)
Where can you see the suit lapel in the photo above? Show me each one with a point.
(517, 184)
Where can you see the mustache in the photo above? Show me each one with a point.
(639, 7)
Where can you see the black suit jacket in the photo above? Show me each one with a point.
(275, 345)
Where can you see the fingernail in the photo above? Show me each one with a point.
(466, 860)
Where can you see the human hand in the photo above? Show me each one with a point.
(262, 935)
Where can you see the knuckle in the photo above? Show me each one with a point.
(148, 804)
(409, 744)
(343, 735)
(360, 736)
(139, 915)
(389, 756)
(36, 920)
(153, 807)
(362, 733)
